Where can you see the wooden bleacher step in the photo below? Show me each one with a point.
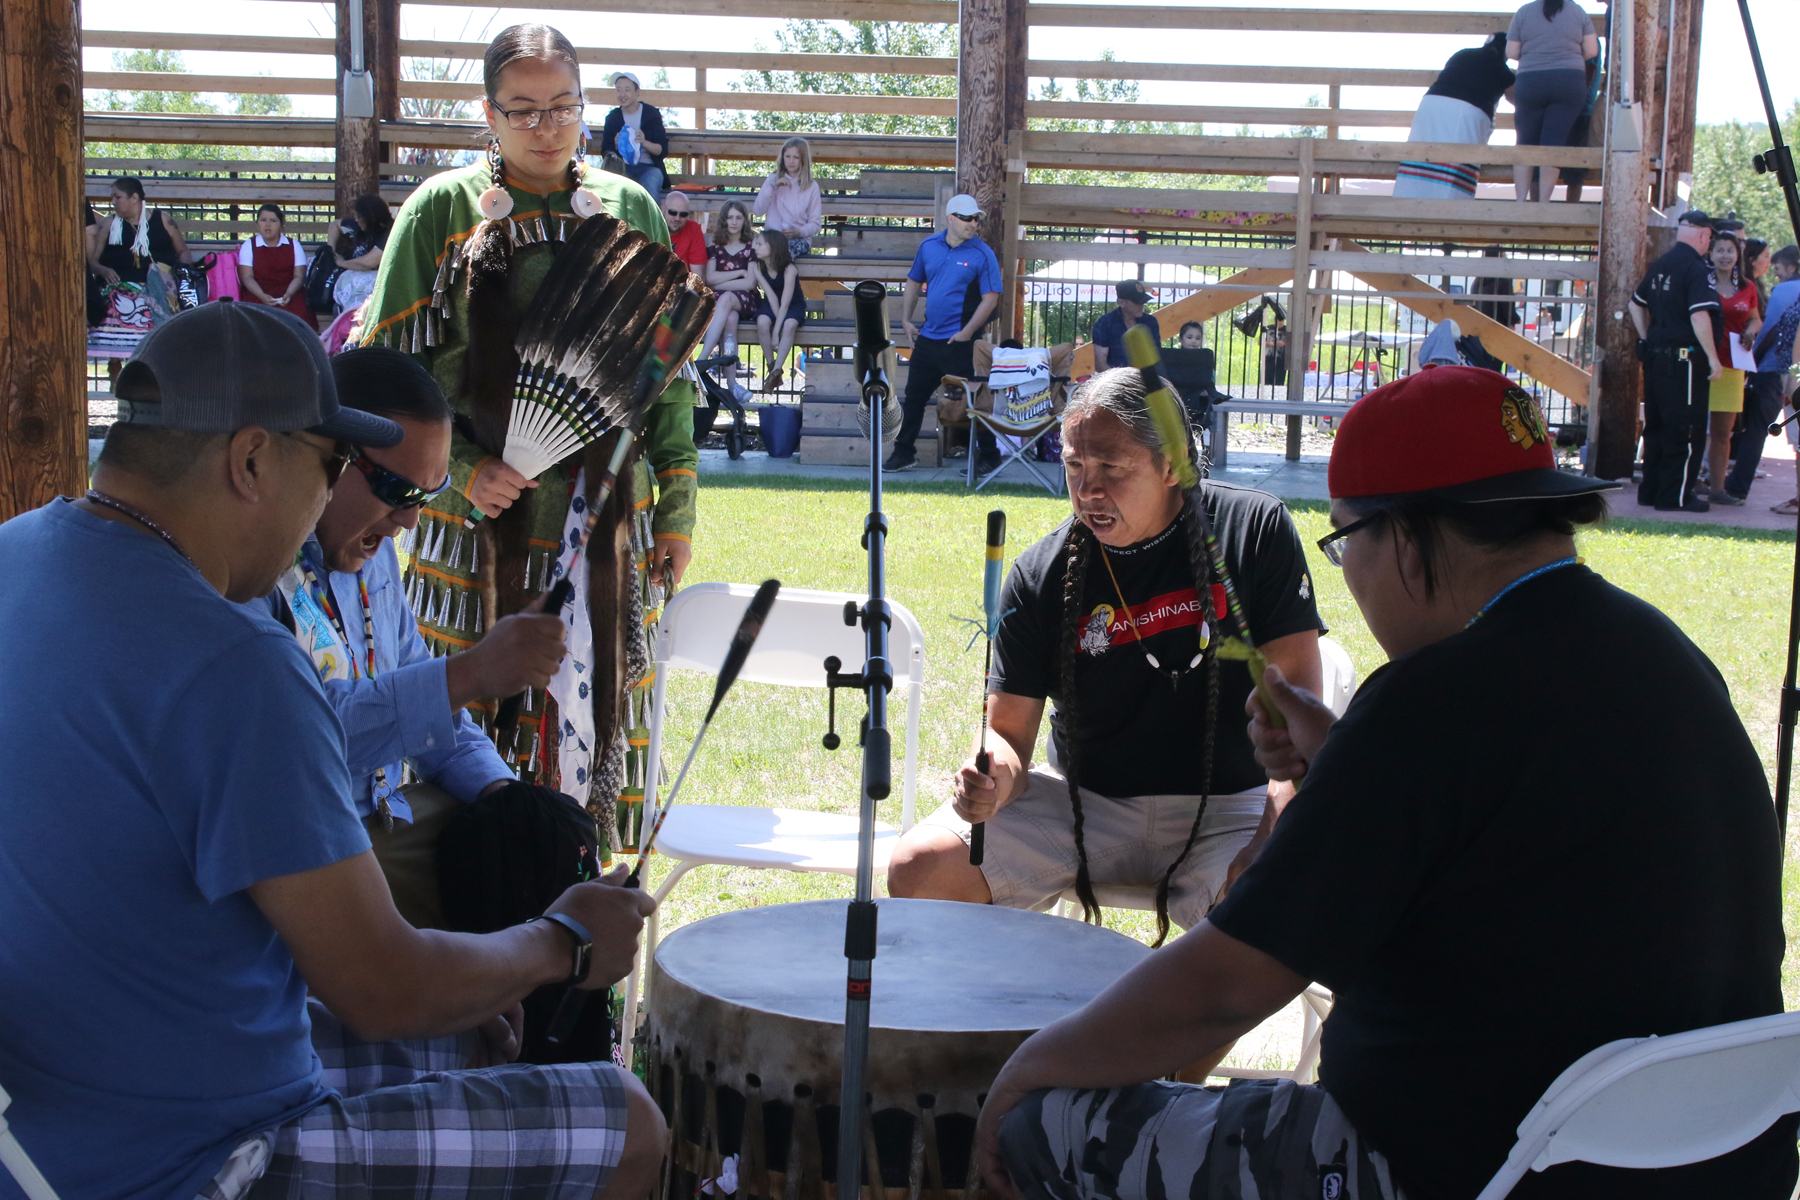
(828, 434)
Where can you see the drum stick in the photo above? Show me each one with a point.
(568, 1010)
(992, 576)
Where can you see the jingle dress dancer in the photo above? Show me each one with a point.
(455, 302)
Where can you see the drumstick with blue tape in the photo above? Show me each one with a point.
(993, 574)
(568, 1010)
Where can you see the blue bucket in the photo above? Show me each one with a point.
(779, 425)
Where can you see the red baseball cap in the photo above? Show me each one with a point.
(1461, 433)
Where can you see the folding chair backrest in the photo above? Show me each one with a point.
(1339, 675)
(1662, 1102)
(803, 629)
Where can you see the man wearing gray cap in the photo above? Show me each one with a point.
(181, 862)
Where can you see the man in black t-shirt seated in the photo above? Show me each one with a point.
(1116, 616)
(1488, 901)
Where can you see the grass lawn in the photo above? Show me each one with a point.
(1727, 588)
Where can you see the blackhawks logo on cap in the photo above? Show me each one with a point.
(1522, 419)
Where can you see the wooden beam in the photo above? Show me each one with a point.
(1613, 432)
(1684, 72)
(209, 130)
(1106, 110)
(238, 43)
(724, 60)
(1300, 325)
(1174, 144)
(1285, 20)
(932, 12)
(981, 110)
(1201, 306)
(358, 138)
(43, 326)
(1095, 68)
(1499, 340)
(1011, 317)
(1459, 266)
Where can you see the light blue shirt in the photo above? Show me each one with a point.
(403, 714)
(1783, 295)
(165, 749)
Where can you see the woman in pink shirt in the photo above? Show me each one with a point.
(789, 199)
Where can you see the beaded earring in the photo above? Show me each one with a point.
(496, 202)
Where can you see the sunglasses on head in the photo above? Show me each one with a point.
(395, 491)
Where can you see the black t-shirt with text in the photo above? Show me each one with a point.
(1676, 286)
(1477, 76)
(1138, 735)
(1541, 834)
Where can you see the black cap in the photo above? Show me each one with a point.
(1132, 290)
(1694, 216)
(222, 366)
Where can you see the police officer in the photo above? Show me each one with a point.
(1674, 309)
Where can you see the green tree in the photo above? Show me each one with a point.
(163, 101)
(1724, 180)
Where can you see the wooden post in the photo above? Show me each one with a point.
(1010, 317)
(43, 327)
(358, 138)
(384, 61)
(981, 110)
(1300, 309)
(1684, 72)
(1018, 82)
(1654, 95)
(1624, 220)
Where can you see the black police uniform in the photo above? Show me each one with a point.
(1676, 286)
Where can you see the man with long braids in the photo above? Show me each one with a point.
(468, 252)
(1118, 616)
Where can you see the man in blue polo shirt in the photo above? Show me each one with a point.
(962, 286)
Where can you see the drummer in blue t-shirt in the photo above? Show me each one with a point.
(1108, 333)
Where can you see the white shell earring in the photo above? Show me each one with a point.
(495, 203)
(586, 202)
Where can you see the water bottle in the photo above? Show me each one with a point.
(728, 348)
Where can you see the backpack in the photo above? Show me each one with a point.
(503, 860)
(321, 277)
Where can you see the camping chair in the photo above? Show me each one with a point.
(31, 1181)
(1338, 685)
(802, 630)
(1661, 1101)
(1019, 415)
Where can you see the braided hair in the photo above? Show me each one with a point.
(1120, 393)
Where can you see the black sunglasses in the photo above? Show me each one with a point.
(341, 454)
(395, 491)
(1331, 544)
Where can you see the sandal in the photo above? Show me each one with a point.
(1787, 508)
(772, 380)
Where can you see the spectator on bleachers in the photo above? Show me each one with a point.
(93, 237)
(684, 232)
(362, 240)
(1459, 108)
(781, 309)
(1575, 178)
(728, 274)
(137, 237)
(789, 200)
(1504, 311)
(272, 265)
(1552, 41)
(1109, 331)
(634, 132)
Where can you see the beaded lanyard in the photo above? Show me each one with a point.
(323, 595)
(1527, 577)
(1175, 674)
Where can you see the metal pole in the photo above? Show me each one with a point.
(877, 780)
(1781, 162)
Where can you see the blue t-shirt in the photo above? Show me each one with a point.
(164, 750)
(950, 274)
(1109, 331)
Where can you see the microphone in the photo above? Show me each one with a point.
(874, 361)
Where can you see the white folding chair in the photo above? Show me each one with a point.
(1661, 1101)
(1337, 685)
(803, 629)
(31, 1181)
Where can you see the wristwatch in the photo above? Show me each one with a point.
(584, 945)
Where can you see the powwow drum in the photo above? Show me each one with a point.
(745, 1038)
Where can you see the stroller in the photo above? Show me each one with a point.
(719, 394)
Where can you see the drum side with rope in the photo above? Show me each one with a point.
(745, 1037)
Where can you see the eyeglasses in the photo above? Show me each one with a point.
(527, 118)
(395, 491)
(1331, 544)
(341, 454)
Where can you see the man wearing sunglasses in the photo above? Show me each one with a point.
(399, 704)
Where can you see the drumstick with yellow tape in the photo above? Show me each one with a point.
(1170, 421)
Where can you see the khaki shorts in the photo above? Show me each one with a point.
(1029, 852)
(408, 856)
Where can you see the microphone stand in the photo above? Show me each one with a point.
(1780, 161)
(876, 680)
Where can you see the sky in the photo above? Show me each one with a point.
(1727, 83)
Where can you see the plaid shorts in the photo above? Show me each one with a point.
(1261, 1139)
(409, 1123)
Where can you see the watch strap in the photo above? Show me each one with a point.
(584, 944)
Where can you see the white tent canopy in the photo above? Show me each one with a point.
(1082, 281)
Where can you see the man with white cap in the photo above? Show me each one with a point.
(634, 132)
(1488, 903)
(181, 863)
(961, 280)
